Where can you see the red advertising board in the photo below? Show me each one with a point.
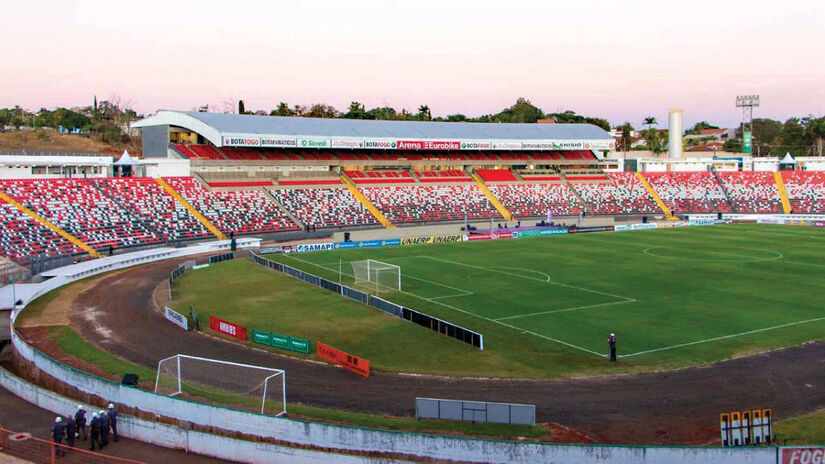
(490, 236)
(228, 328)
(358, 365)
(803, 455)
(427, 145)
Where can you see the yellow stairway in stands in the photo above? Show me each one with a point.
(490, 196)
(49, 225)
(366, 202)
(200, 217)
(783, 193)
(669, 215)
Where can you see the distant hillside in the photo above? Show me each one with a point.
(52, 140)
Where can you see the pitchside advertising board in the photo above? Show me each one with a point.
(176, 318)
(227, 328)
(803, 456)
(286, 141)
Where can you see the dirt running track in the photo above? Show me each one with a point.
(671, 407)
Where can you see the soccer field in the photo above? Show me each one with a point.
(672, 296)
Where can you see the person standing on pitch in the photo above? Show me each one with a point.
(94, 431)
(611, 342)
(112, 420)
(80, 418)
(58, 432)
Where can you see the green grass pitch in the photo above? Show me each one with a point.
(674, 297)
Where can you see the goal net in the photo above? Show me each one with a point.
(377, 275)
(253, 387)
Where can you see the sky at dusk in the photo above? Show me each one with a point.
(622, 60)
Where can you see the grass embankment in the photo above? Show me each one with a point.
(70, 342)
(808, 429)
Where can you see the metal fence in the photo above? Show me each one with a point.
(425, 320)
(36, 450)
(475, 411)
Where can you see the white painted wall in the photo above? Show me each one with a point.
(167, 167)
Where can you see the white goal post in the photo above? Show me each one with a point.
(377, 274)
(223, 382)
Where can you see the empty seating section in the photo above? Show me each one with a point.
(532, 200)
(690, 192)
(242, 153)
(145, 198)
(496, 175)
(81, 209)
(806, 191)
(324, 207)
(245, 212)
(23, 239)
(752, 192)
(199, 151)
(450, 175)
(380, 177)
(622, 193)
(402, 204)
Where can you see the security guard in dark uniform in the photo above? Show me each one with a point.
(611, 342)
(112, 420)
(104, 428)
(71, 431)
(94, 431)
(80, 419)
(58, 433)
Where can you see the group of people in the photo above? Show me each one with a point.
(97, 428)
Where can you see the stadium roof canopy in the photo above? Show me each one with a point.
(297, 132)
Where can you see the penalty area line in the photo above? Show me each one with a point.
(561, 342)
(723, 337)
(609, 303)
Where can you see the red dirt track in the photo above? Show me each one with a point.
(676, 407)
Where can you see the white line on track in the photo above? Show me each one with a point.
(723, 337)
(610, 303)
(561, 342)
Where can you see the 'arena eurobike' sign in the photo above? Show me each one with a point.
(428, 145)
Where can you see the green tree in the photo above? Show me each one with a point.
(458, 117)
(521, 111)
(626, 139)
(383, 113)
(356, 111)
(320, 110)
(700, 126)
(241, 107)
(765, 135)
(424, 113)
(654, 140)
(733, 145)
(816, 132)
(283, 109)
(650, 121)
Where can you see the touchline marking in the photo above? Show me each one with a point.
(551, 282)
(681, 345)
(601, 355)
(610, 303)
(464, 292)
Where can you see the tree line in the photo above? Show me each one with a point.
(522, 111)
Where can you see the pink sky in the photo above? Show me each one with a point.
(622, 60)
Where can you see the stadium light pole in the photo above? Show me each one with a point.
(747, 103)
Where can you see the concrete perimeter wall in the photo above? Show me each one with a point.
(303, 433)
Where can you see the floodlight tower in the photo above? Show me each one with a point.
(747, 103)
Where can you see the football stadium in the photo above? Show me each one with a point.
(282, 289)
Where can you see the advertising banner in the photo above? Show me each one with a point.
(313, 143)
(367, 244)
(476, 145)
(495, 236)
(503, 145)
(582, 230)
(241, 141)
(301, 345)
(271, 250)
(380, 144)
(280, 341)
(261, 337)
(353, 363)
(228, 328)
(430, 239)
(347, 143)
(176, 318)
(747, 142)
(803, 455)
(538, 233)
(428, 145)
(315, 247)
(279, 142)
